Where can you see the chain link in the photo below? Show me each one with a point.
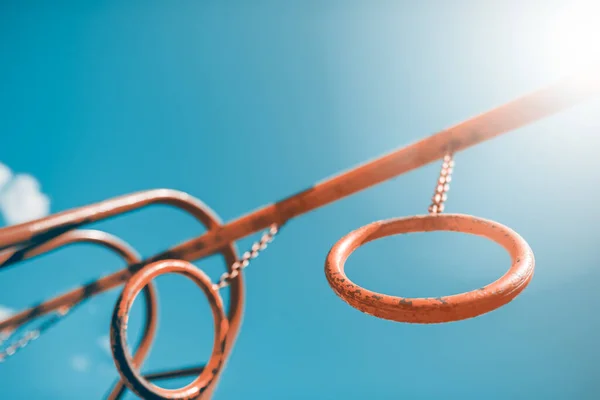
(224, 281)
(242, 263)
(443, 185)
(28, 336)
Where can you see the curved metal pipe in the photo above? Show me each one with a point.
(20, 240)
(122, 249)
(33, 234)
(157, 376)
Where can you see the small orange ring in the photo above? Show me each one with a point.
(132, 378)
(440, 309)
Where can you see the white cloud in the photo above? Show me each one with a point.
(5, 175)
(21, 199)
(5, 312)
(80, 363)
(104, 343)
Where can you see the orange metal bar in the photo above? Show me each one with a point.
(525, 110)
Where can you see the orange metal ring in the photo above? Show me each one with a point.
(439, 309)
(133, 379)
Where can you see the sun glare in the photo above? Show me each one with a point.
(574, 36)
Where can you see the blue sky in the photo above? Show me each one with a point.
(244, 103)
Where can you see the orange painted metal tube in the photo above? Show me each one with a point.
(122, 249)
(525, 110)
(22, 241)
(118, 332)
(155, 376)
(439, 309)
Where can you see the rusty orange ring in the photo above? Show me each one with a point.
(133, 379)
(440, 309)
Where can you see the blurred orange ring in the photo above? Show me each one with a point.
(432, 310)
(132, 378)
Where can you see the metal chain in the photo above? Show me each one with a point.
(28, 336)
(242, 263)
(443, 185)
(223, 282)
